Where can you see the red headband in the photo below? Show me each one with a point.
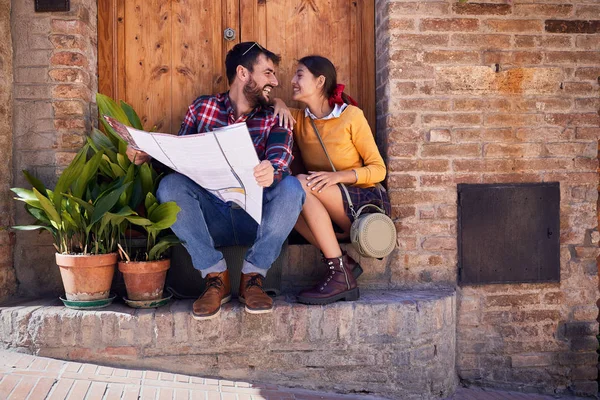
(336, 97)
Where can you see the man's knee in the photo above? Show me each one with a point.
(292, 189)
(169, 187)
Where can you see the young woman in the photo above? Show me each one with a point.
(349, 141)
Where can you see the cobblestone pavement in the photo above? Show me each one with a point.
(25, 377)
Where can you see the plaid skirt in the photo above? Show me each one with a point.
(362, 196)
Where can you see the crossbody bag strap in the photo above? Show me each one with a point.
(350, 205)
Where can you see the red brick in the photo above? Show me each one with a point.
(436, 8)
(69, 26)
(543, 10)
(587, 11)
(70, 59)
(588, 42)
(589, 119)
(449, 24)
(396, 181)
(404, 55)
(403, 149)
(587, 133)
(400, 120)
(532, 360)
(588, 104)
(571, 178)
(72, 92)
(451, 57)
(439, 135)
(512, 57)
(573, 57)
(68, 42)
(515, 25)
(589, 74)
(512, 178)
(572, 149)
(536, 316)
(452, 119)
(424, 104)
(70, 75)
(448, 180)
(401, 24)
(512, 119)
(580, 88)
(411, 197)
(542, 134)
(405, 135)
(450, 150)
(513, 150)
(418, 165)
(65, 108)
(568, 26)
(571, 358)
(67, 124)
(542, 104)
(403, 212)
(512, 300)
(403, 88)
(412, 71)
(481, 8)
(483, 42)
(556, 42)
(418, 40)
(486, 135)
(496, 166)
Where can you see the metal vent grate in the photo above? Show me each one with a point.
(508, 233)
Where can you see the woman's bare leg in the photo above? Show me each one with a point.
(318, 212)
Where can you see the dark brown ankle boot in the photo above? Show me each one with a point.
(353, 265)
(338, 284)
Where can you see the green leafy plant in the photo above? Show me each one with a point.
(82, 214)
(152, 219)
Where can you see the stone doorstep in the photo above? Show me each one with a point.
(397, 344)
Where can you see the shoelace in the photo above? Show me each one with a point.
(214, 282)
(255, 280)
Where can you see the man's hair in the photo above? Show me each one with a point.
(246, 54)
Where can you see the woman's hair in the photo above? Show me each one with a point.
(318, 65)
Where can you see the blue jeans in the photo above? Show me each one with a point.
(206, 222)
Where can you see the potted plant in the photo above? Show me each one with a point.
(144, 269)
(83, 215)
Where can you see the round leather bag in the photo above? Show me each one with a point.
(373, 235)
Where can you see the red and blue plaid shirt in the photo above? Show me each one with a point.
(272, 142)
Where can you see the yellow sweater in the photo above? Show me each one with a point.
(348, 140)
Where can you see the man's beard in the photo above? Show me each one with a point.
(255, 96)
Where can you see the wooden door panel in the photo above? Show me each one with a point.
(341, 30)
(148, 33)
(198, 55)
(159, 55)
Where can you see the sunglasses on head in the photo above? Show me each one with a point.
(251, 47)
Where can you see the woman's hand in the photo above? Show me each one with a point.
(283, 113)
(321, 180)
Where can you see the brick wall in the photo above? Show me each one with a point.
(55, 79)
(7, 274)
(493, 92)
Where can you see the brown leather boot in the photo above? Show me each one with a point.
(338, 284)
(217, 292)
(253, 295)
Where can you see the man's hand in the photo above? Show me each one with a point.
(264, 173)
(137, 157)
(283, 112)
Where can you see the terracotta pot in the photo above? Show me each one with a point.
(87, 277)
(144, 280)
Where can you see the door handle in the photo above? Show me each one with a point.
(229, 34)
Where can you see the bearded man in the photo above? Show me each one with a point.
(206, 222)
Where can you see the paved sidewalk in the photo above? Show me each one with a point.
(25, 377)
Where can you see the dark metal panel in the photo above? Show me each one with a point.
(509, 233)
(51, 5)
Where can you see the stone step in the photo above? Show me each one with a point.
(398, 344)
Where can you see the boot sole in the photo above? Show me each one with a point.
(253, 310)
(213, 315)
(350, 295)
(357, 271)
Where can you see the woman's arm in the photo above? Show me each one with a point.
(286, 119)
(374, 169)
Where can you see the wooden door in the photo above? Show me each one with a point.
(159, 55)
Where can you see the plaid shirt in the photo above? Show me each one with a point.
(271, 142)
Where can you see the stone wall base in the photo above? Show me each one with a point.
(398, 344)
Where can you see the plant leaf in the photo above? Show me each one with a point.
(134, 120)
(35, 182)
(48, 208)
(159, 248)
(107, 201)
(164, 215)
